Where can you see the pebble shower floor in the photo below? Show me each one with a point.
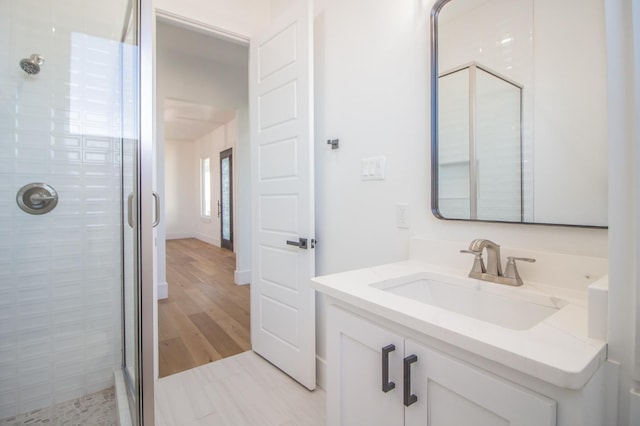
(96, 409)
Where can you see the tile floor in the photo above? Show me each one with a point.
(240, 390)
(96, 409)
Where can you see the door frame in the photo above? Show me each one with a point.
(149, 17)
(242, 237)
(149, 150)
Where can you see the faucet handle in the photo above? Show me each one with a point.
(510, 270)
(478, 264)
(523, 259)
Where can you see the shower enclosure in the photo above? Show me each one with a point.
(69, 242)
(480, 149)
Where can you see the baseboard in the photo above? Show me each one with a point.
(242, 277)
(196, 235)
(163, 290)
(180, 236)
(207, 239)
(321, 373)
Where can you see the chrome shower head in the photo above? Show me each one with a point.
(32, 64)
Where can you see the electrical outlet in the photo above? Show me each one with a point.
(403, 216)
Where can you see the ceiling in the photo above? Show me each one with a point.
(185, 120)
(188, 121)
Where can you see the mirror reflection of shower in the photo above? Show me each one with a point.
(31, 65)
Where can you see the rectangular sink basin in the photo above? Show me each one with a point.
(502, 305)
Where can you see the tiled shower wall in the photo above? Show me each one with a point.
(60, 273)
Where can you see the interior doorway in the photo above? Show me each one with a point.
(202, 86)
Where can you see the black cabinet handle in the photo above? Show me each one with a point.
(386, 384)
(409, 398)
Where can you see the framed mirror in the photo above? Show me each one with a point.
(519, 111)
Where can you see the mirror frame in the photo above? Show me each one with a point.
(435, 11)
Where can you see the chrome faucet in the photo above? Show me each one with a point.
(494, 266)
(493, 270)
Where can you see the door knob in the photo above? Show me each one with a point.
(301, 243)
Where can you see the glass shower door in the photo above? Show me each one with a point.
(68, 140)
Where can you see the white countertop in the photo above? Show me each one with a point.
(556, 350)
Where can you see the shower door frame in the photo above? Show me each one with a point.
(140, 388)
(147, 312)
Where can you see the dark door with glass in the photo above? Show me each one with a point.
(226, 199)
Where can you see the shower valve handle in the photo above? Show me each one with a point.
(39, 196)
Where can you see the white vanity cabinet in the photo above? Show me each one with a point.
(379, 377)
(450, 392)
(354, 372)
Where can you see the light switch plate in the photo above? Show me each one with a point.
(373, 168)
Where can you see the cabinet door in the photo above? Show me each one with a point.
(451, 393)
(355, 372)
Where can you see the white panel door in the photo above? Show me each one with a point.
(281, 108)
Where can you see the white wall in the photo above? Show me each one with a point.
(60, 273)
(181, 189)
(376, 101)
(206, 82)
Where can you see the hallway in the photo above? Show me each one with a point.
(206, 317)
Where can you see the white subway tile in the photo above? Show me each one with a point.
(63, 306)
(35, 397)
(68, 384)
(68, 345)
(8, 378)
(65, 276)
(6, 165)
(9, 403)
(28, 323)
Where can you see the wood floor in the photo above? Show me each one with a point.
(244, 390)
(206, 317)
